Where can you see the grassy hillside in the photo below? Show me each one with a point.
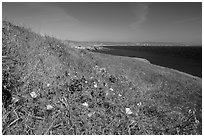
(51, 88)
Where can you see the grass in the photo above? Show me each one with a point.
(90, 92)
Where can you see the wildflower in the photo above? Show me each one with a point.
(139, 104)
(90, 114)
(33, 94)
(85, 104)
(196, 121)
(119, 95)
(95, 85)
(49, 107)
(128, 111)
(96, 67)
(48, 84)
(111, 89)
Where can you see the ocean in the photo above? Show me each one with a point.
(187, 59)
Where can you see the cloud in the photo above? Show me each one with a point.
(140, 11)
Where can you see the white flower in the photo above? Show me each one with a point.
(49, 107)
(139, 104)
(85, 104)
(196, 121)
(90, 114)
(33, 94)
(95, 85)
(128, 111)
(119, 95)
(48, 84)
(111, 89)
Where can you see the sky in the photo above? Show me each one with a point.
(116, 21)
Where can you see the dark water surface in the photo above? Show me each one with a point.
(183, 58)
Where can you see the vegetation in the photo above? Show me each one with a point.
(51, 88)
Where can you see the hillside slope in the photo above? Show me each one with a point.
(51, 88)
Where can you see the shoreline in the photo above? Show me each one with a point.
(194, 73)
(180, 72)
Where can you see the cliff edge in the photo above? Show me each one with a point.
(51, 88)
